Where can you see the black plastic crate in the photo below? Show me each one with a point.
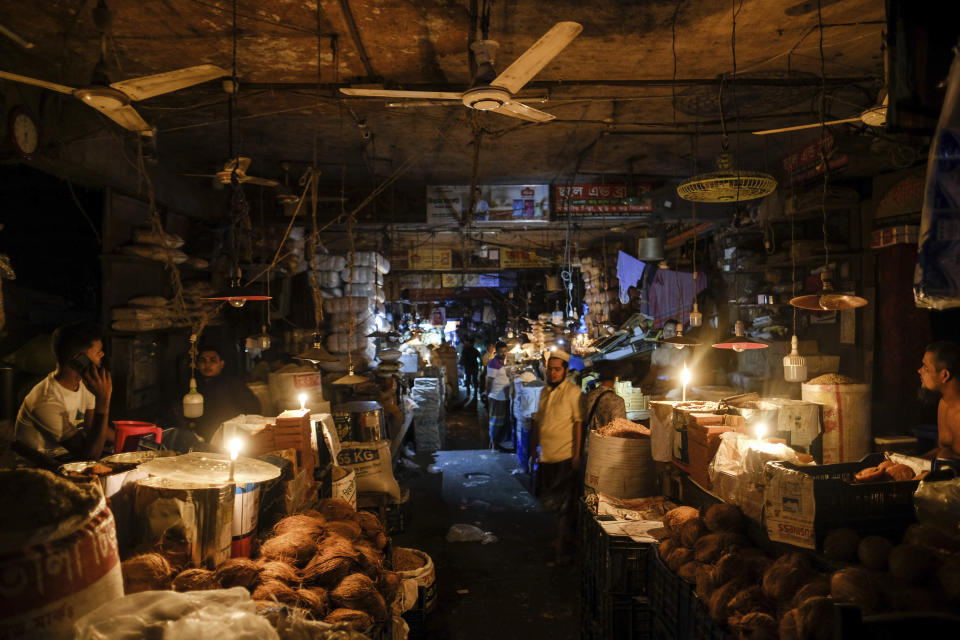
(671, 599)
(702, 626)
(872, 508)
(629, 618)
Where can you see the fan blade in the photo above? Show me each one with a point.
(263, 182)
(523, 112)
(53, 86)
(406, 104)
(128, 118)
(200, 175)
(800, 127)
(240, 163)
(537, 56)
(149, 86)
(390, 93)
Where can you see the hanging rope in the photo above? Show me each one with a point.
(823, 131)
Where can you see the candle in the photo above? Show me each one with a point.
(234, 452)
(303, 401)
(685, 379)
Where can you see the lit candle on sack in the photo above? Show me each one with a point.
(303, 401)
(760, 430)
(234, 452)
(685, 379)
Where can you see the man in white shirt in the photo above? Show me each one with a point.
(68, 411)
(497, 398)
(556, 437)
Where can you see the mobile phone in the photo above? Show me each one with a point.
(80, 363)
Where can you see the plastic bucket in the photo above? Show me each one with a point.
(426, 579)
(846, 419)
(48, 585)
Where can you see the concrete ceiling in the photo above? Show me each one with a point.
(612, 89)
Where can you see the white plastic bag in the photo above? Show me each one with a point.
(469, 533)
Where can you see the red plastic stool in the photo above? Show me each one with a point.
(129, 433)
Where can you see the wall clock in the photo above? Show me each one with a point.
(23, 131)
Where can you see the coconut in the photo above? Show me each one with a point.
(691, 531)
(818, 586)
(278, 570)
(678, 557)
(748, 600)
(900, 472)
(147, 572)
(911, 562)
(710, 547)
(841, 544)
(758, 626)
(781, 582)
(689, 571)
(388, 585)
(336, 509)
(724, 517)
(874, 551)
(369, 523)
(370, 559)
(720, 599)
(747, 563)
(814, 618)
(327, 571)
(238, 572)
(299, 522)
(858, 587)
(276, 590)
(665, 547)
(789, 626)
(931, 537)
(675, 518)
(335, 545)
(314, 599)
(706, 581)
(357, 591)
(346, 528)
(295, 547)
(381, 541)
(194, 580)
(358, 620)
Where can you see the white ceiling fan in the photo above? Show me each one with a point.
(113, 100)
(236, 167)
(875, 116)
(492, 92)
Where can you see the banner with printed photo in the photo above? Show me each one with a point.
(494, 204)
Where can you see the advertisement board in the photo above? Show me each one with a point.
(494, 204)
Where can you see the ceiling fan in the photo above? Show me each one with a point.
(489, 91)
(236, 167)
(875, 116)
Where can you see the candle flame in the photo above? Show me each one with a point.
(235, 446)
(685, 375)
(303, 401)
(760, 430)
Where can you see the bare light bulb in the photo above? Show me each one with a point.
(237, 302)
(760, 430)
(696, 318)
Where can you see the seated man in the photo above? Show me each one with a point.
(224, 396)
(665, 362)
(939, 383)
(68, 411)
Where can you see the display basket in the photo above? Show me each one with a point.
(671, 599)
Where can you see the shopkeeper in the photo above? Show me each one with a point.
(602, 404)
(556, 438)
(68, 411)
(938, 379)
(224, 396)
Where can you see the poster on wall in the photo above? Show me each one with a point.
(438, 259)
(438, 316)
(494, 204)
(602, 200)
(522, 259)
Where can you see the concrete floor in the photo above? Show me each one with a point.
(506, 589)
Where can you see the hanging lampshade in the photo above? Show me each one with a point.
(827, 300)
(794, 365)
(727, 184)
(237, 294)
(739, 341)
(350, 379)
(680, 341)
(317, 353)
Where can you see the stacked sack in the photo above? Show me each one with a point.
(150, 313)
(325, 564)
(428, 418)
(161, 246)
(353, 295)
(598, 300)
(792, 596)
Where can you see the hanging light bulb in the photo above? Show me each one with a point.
(350, 378)
(794, 365)
(827, 300)
(739, 342)
(680, 341)
(263, 338)
(317, 353)
(192, 401)
(696, 318)
(237, 294)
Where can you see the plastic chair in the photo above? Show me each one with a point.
(129, 433)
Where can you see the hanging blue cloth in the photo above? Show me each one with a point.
(629, 272)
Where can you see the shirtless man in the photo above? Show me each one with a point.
(939, 379)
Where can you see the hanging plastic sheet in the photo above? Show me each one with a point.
(936, 283)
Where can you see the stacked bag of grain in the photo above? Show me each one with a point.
(428, 418)
(357, 281)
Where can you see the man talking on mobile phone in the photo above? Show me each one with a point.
(67, 413)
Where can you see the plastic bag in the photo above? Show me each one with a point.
(195, 615)
(469, 533)
(937, 500)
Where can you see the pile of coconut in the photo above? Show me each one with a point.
(325, 564)
(791, 597)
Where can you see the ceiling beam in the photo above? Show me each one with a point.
(355, 36)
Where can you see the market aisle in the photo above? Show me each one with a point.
(505, 589)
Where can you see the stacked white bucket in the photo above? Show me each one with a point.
(428, 426)
(353, 296)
